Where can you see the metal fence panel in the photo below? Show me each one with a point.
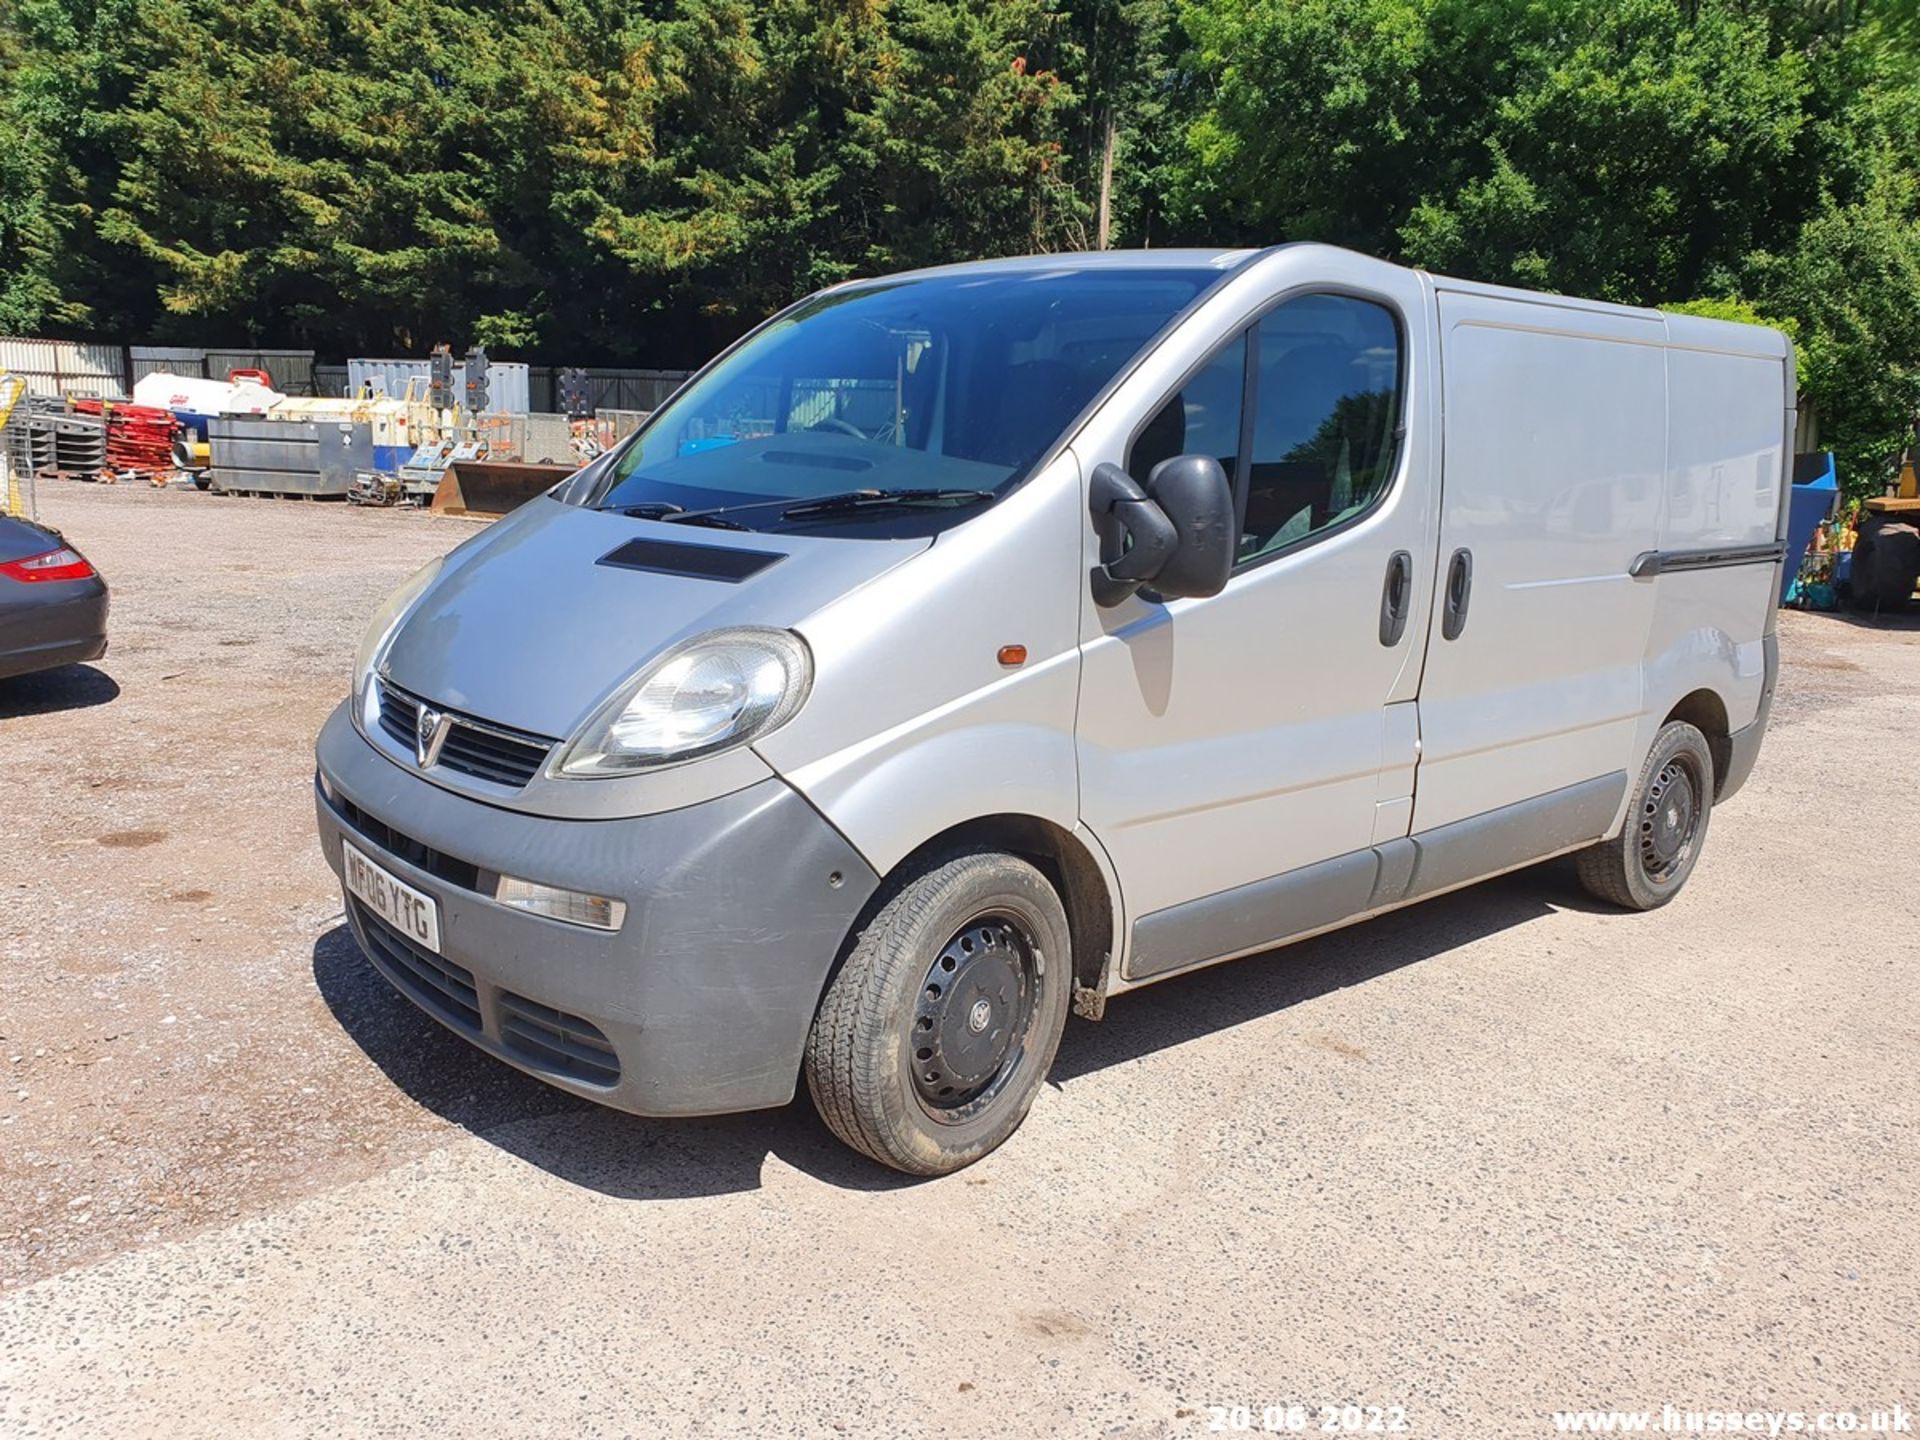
(612, 388)
(292, 370)
(624, 422)
(145, 360)
(330, 380)
(66, 367)
(633, 389)
(547, 439)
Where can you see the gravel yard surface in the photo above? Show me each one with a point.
(1498, 1155)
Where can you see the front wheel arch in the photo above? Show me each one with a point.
(1058, 854)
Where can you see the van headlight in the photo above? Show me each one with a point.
(701, 697)
(373, 645)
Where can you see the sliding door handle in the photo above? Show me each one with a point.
(1394, 595)
(1453, 618)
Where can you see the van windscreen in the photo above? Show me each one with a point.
(896, 407)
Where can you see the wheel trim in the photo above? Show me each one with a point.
(973, 1015)
(1670, 820)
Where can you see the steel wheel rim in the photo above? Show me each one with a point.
(973, 1015)
(1670, 820)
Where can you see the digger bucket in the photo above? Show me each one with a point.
(490, 488)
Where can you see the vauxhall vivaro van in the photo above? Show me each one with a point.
(966, 646)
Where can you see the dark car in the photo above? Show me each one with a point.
(53, 603)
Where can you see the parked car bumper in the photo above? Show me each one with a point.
(51, 624)
(699, 1004)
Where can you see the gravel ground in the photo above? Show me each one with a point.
(1497, 1155)
(168, 1046)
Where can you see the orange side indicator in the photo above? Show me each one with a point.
(1012, 655)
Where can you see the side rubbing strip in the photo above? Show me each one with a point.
(1513, 835)
(1317, 897)
(1650, 563)
(1265, 911)
(696, 562)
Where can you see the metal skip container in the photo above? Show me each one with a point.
(314, 458)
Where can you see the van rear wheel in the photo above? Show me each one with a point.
(938, 1031)
(1644, 866)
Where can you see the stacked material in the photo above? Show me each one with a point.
(34, 454)
(79, 443)
(139, 437)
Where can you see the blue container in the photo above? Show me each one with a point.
(1815, 488)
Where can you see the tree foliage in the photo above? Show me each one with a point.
(580, 180)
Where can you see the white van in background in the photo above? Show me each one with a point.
(967, 645)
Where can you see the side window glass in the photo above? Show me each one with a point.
(1203, 419)
(1326, 413)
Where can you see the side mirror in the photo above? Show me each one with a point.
(1176, 534)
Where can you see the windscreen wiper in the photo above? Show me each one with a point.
(852, 502)
(848, 502)
(667, 511)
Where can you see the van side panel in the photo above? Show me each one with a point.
(1554, 474)
(1726, 466)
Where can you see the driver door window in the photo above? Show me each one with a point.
(1326, 419)
(1322, 437)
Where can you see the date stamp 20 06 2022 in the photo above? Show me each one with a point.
(1298, 1418)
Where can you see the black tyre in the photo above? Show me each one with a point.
(936, 1034)
(1892, 565)
(1886, 565)
(1645, 866)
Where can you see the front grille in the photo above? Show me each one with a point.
(489, 755)
(449, 868)
(554, 1040)
(398, 713)
(486, 752)
(433, 982)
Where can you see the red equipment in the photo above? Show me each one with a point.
(139, 437)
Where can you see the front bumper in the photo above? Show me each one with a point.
(699, 1004)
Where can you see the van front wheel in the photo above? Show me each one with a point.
(1644, 866)
(935, 1036)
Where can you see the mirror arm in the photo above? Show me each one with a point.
(1122, 510)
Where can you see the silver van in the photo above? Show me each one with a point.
(967, 646)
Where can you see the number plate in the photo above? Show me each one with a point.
(414, 913)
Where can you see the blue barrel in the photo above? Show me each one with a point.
(1815, 488)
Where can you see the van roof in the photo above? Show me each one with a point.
(1683, 331)
(1076, 260)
